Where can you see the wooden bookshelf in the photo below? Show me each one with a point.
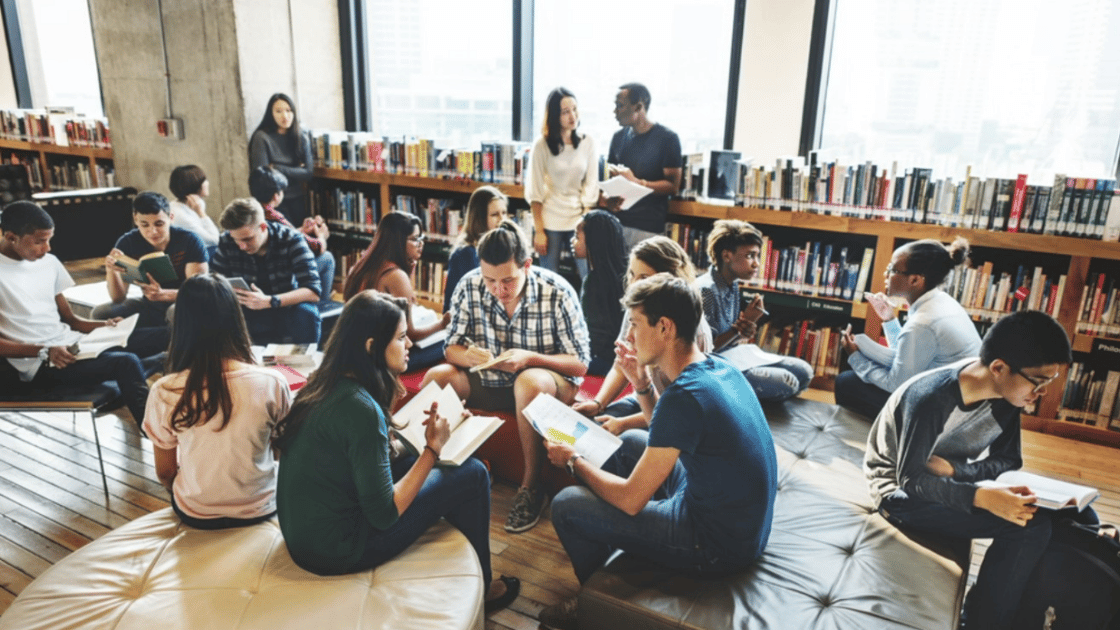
(44, 152)
(887, 234)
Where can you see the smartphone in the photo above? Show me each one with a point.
(239, 283)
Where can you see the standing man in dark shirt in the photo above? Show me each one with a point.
(646, 153)
(275, 262)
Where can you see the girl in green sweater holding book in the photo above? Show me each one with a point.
(345, 503)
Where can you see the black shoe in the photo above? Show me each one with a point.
(513, 588)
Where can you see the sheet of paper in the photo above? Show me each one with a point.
(101, 339)
(619, 186)
(558, 422)
(745, 356)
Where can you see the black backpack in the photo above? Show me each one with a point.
(1076, 584)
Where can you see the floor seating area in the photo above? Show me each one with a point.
(155, 572)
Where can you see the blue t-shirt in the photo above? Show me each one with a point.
(184, 247)
(711, 414)
(647, 155)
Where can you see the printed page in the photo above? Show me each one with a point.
(101, 339)
(413, 414)
(619, 186)
(560, 423)
(1052, 493)
(745, 356)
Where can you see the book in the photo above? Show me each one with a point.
(156, 263)
(105, 337)
(296, 380)
(722, 174)
(1053, 494)
(468, 432)
(558, 422)
(619, 186)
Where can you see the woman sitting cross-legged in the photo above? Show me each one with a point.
(386, 266)
(211, 418)
(345, 504)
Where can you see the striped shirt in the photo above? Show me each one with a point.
(547, 320)
(285, 265)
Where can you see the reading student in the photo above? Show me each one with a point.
(37, 328)
(344, 506)
(529, 319)
(154, 232)
(924, 460)
(667, 494)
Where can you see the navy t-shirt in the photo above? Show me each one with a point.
(185, 247)
(711, 414)
(647, 155)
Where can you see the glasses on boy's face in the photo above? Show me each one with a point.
(891, 270)
(1038, 382)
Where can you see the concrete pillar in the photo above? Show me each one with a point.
(225, 57)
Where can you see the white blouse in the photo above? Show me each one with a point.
(566, 185)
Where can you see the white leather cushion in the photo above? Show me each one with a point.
(156, 572)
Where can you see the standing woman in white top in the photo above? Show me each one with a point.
(563, 182)
(211, 418)
(191, 188)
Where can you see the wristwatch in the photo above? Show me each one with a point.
(274, 302)
(572, 463)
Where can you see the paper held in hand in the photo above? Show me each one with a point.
(1052, 493)
(466, 434)
(619, 186)
(558, 422)
(101, 339)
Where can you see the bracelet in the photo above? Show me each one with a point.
(645, 390)
(598, 405)
(428, 447)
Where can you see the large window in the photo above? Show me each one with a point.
(441, 69)
(680, 49)
(1008, 86)
(59, 55)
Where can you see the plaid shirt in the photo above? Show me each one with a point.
(286, 265)
(548, 320)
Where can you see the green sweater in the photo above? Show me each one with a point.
(335, 488)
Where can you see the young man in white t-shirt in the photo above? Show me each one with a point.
(37, 328)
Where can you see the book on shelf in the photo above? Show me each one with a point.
(816, 269)
(816, 343)
(558, 422)
(468, 432)
(723, 174)
(1052, 494)
(158, 264)
(59, 126)
(987, 294)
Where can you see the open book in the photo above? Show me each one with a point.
(101, 339)
(156, 263)
(558, 422)
(291, 354)
(467, 434)
(1052, 493)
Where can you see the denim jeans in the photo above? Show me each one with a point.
(325, 264)
(559, 242)
(592, 529)
(420, 358)
(863, 398)
(461, 494)
(779, 381)
(994, 599)
(116, 364)
(299, 323)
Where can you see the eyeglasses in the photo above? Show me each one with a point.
(418, 239)
(891, 270)
(1039, 385)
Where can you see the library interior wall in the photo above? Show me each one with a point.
(225, 58)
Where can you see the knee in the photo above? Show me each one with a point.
(475, 471)
(568, 502)
(634, 440)
(440, 374)
(846, 382)
(531, 382)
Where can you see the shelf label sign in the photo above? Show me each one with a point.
(1105, 354)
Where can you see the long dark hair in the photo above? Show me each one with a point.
(208, 330)
(478, 211)
(368, 314)
(606, 254)
(390, 243)
(553, 136)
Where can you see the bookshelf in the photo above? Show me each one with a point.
(1078, 256)
(53, 167)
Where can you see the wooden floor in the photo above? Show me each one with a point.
(51, 500)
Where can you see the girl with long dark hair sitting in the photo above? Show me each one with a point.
(345, 505)
(211, 417)
(599, 240)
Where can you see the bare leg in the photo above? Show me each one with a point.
(446, 373)
(528, 384)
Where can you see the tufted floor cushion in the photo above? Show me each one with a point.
(157, 573)
(832, 561)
